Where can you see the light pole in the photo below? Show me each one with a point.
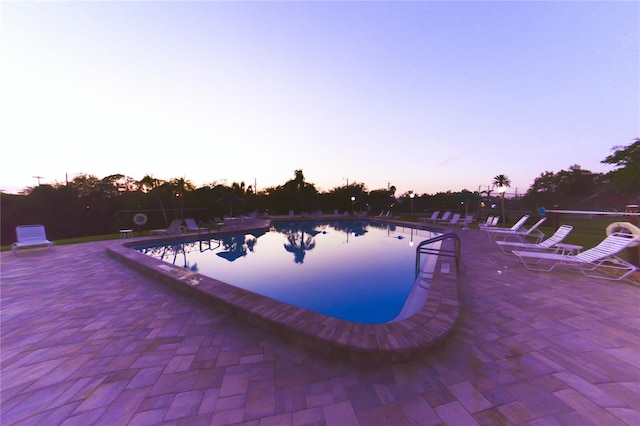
(411, 196)
(353, 203)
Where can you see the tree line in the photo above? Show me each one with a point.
(88, 205)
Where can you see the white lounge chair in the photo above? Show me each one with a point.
(492, 222)
(175, 227)
(433, 218)
(192, 226)
(520, 234)
(491, 232)
(452, 222)
(445, 217)
(548, 244)
(31, 236)
(466, 221)
(593, 262)
(217, 223)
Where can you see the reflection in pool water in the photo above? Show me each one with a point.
(360, 271)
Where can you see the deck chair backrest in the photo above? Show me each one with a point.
(557, 236)
(175, 225)
(610, 246)
(30, 234)
(435, 214)
(445, 215)
(520, 222)
(455, 218)
(191, 223)
(535, 225)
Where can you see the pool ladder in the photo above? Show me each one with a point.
(455, 253)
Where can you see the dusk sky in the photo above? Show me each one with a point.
(427, 96)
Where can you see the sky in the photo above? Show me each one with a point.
(423, 95)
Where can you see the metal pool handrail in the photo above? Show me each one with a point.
(455, 253)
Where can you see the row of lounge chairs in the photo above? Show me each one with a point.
(600, 261)
(450, 219)
(518, 231)
(597, 262)
(176, 226)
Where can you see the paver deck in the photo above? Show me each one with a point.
(86, 340)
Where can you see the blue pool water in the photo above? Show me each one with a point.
(360, 271)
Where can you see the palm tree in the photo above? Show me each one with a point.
(502, 182)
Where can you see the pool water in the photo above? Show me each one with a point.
(360, 271)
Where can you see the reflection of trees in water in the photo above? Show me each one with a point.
(309, 227)
(172, 252)
(352, 227)
(380, 225)
(298, 242)
(236, 246)
(300, 236)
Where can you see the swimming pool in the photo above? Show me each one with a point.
(355, 270)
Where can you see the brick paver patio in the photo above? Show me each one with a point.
(86, 340)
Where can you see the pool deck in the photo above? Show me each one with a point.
(88, 341)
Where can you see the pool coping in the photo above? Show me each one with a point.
(400, 341)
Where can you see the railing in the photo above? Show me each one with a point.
(455, 253)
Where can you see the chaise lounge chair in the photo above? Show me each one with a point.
(492, 222)
(216, 223)
(593, 262)
(192, 226)
(468, 220)
(491, 232)
(444, 218)
(452, 222)
(548, 244)
(175, 227)
(433, 218)
(520, 234)
(31, 236)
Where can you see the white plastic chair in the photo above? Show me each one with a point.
(444, 218)
(492, 222)
(31, 236)
(491, 232)
(433, 218)
(593, 262)
(192, 226)
(520, 234)
(175, 227)
(549, 243)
